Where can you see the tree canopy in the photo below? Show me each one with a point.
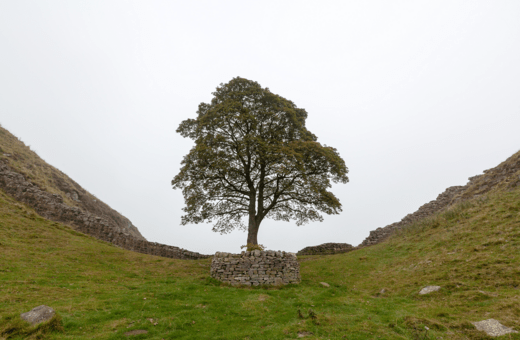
(253, 159)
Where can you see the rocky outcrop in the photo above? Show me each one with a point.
(327, 249)
(256, 268)
(87, 202)
(51, 206)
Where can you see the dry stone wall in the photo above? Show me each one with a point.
(51, 206)
(256, 268)
(327, 249)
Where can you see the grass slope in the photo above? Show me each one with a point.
(101, 292)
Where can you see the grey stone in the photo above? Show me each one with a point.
(429, 289)
(38, 314)
(75, 196)
(324, 284)
(493, 328)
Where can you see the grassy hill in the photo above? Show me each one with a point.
(100, 291)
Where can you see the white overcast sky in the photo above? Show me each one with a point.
(417, 96)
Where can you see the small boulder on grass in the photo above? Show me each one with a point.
(324, 284)
(38, 315)
(493, 328)
(429, 289)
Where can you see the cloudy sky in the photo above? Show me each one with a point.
(417, 96)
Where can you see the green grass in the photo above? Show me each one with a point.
(100, 291)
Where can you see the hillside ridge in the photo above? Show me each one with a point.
(100, 221)
(470, 250)
(21, 159)
(504, 176)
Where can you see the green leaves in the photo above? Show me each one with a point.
(253, 156)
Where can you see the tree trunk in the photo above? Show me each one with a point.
(252, 231)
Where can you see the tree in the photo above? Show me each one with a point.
(254, 158)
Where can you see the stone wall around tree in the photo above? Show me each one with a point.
(256, 268)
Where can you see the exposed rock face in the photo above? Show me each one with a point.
(81, 198)
(51, 206)
(256, 268)
(327, 249)
(38, 314)
(506, 176)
